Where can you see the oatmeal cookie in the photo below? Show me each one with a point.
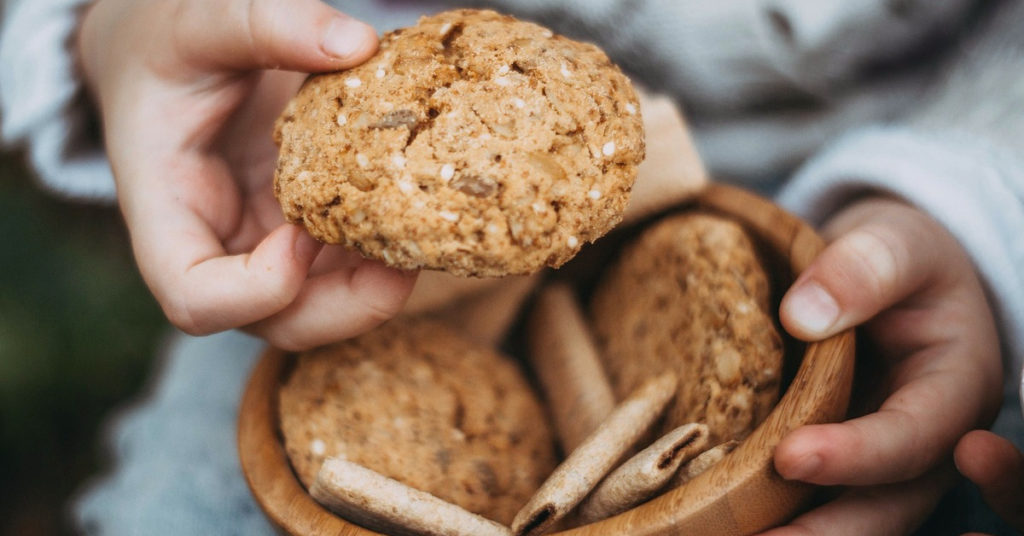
(691, 295)
(472, 143)
(415, 402)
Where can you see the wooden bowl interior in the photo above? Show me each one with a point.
(740, 495)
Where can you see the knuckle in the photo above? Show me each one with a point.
(875, 257)
(258, 20)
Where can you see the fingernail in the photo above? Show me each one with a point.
(812, 308)
(344, 38)
(306, 247)
(805, 468)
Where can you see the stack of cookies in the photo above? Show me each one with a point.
(484, 146)
(687, 298)
(413, 429)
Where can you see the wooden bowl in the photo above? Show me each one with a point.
(740, 495)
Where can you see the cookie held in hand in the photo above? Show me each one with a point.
(472, 143)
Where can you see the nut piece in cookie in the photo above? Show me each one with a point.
(417, 403)
(690, 295)
(472, 143)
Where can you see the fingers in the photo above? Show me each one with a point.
(883, 510)
(936, 398)
(997, 468)
(203, 291)
(297, 35)
(884, 252)
(337, 305)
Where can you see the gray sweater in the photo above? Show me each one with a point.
(813, 100)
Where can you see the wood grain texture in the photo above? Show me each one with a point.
(740, 495)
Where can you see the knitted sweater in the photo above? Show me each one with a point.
(921, 99)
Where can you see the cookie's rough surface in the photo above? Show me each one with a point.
(417, 403)
(472, 142)
(690, 295)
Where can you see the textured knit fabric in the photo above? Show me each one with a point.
(918, 98)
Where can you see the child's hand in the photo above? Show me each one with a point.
(997, 467)
(907, 281)
(188, 107)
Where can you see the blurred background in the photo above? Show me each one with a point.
(78, 331)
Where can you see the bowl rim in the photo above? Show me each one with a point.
(742, 494)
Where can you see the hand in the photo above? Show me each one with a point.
(997, 467)
(188, 105)
(910, 286)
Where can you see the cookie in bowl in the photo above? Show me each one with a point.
(691, 295)
(418, 403)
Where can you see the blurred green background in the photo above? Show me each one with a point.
(78, 331)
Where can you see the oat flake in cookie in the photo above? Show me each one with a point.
(690, 295)
(472, 143)
(417, 403)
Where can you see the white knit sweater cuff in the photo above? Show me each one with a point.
(41, 99)
(973, 187)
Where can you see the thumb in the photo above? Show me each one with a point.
(296, 35)
(883, 253)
